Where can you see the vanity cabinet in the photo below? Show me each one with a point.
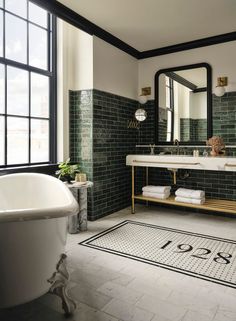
(183, 162)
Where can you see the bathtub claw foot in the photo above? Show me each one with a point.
(59, 282)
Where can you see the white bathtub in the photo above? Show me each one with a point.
(33, 228)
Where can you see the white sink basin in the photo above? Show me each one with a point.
(183, 161)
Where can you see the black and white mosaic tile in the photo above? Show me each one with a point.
(202, 256)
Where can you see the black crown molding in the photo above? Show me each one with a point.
(82, 23)
(209, 41)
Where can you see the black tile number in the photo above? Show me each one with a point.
(201, 252)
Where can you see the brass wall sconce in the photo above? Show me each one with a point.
(222, 82)
(146, 91)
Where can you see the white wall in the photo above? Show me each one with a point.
(75, 72)
(198, 103)
(114, 71)
(221, 57)
(86, 62)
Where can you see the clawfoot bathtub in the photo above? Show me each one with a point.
(33, 228)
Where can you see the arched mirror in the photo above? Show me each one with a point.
(183, 98)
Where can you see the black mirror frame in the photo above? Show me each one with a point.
(209, 101)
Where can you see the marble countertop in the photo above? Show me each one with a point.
(79, 185)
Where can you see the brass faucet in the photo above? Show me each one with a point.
(176, 142)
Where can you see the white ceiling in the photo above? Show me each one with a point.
(151, 24)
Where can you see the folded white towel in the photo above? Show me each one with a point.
(190, 200)
(156, 189)
(191, 193)
(162, 196)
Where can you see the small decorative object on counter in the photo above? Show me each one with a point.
(195, 153)
(217, 145)
(67, 171)
(205, 153)
(81, 177)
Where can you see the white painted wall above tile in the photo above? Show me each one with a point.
(221, 57)
(114, 71)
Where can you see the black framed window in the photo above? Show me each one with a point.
(27, 84)
(170, 108)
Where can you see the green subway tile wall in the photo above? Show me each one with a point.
(81, 134)
(100, 141)
(193, 129)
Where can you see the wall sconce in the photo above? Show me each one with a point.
(143, 97)
(220, 88)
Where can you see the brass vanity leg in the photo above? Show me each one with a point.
(146, 182)
(133, 207)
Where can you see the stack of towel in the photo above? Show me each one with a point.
(161, 192)
(191, 196)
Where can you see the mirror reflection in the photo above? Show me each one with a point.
(183, 105)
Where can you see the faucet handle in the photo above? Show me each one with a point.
(152, 149)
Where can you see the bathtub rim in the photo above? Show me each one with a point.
(28, 214)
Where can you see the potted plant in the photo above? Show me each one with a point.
(67, 171)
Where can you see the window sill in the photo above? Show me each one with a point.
(44, 169)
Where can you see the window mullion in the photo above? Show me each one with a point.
(5, 116)
(29, 117)
(49, 45)
(29, 101)
(4, 31)
(27, 34)
(53, 97)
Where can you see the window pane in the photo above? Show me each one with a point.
(1, 3)
(169, 120)
(38, 15)
(2, 132)
(39, 140)
(16, 39)
(37, 47)
(17, 140)
(39, 95)
(1, 33)
(167, 97)
(17, 6)
(2, 89)
(17, 91)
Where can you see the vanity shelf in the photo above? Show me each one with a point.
(216, 205)
(184, 162)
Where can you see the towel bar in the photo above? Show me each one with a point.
(165, 163)
(230, 165)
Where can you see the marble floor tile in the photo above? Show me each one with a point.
(127, 312)
(162, 307)
(225, 315)
(86, 313)
(113, 288)
(120, 292)
(159, 318)
(89, 296)
(162, 291)
(196, 316)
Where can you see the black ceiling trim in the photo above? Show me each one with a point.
(84, 24)
(189, 45)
